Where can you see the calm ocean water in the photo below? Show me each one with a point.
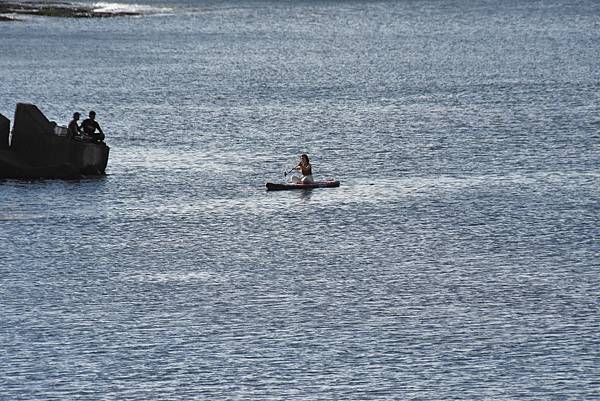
(459, 259)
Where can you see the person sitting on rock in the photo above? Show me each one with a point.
(90, 125)
(74, 129)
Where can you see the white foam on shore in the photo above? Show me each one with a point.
(106, 7)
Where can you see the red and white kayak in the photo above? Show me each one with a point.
(290, 185)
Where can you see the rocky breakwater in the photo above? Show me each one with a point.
(39, 148)
(10, 10)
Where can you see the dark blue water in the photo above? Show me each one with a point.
(459, 259)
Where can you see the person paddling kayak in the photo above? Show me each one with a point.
(306, 182)
(306, 169)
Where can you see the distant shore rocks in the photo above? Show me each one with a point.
(8, 10)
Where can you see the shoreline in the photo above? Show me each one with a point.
(54, 9)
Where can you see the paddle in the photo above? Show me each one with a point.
(287, 172)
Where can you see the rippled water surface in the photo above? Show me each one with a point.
(459, 259)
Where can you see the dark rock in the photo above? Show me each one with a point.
(4, 132)
(55, 9)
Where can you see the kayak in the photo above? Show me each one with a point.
(289, 185)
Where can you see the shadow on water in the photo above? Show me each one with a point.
(306, 194)
(32, 181)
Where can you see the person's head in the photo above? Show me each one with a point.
(92, 114)
(76, 116)
(304, 159)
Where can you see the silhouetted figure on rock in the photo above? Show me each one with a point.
(90, 125)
